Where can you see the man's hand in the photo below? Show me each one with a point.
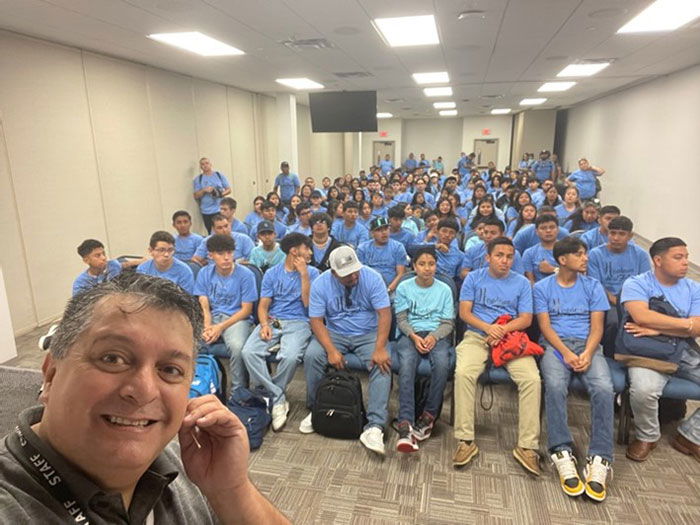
(336, 360)
(211, 333)
(300, 264)
(265, 332)
(640, 331)
(221, 465)
(496, 332)
(546, 267)
(209, 189)
(381, 358)
(584, 362)
(442, 247)
(570, 359)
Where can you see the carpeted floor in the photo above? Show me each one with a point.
(325, 481)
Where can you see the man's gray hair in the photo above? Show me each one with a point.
(143, 291)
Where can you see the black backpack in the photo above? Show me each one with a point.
(339, 411)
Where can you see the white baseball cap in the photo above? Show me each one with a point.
(343, 261)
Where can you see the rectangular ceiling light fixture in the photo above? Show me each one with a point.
(439, 77)
(407, 30)
(299, 83)
(556, 86)
(448, 113)
(384, 115)
(196, 42)
(438, 91)
(583, 70)
(532, 101)
(663, 15)
(444, 105)
(500, 111)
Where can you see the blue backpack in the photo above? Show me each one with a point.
(209, 378)
(254, 409)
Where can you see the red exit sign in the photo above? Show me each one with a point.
(486, 131)
(383, 133)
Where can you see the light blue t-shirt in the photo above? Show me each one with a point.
(450, 261)
(298, 228)
(386, 165)
(353, 236)
(208, 203)
(358, 314)
(570, 309)
(612, 269)
(492, 297)
(475, 259)
(179, 273)
(594, 238)
(562, 213)
(585, 182)
(543, 169)
(684, 295)
(251, 221)
(287, 185)
(532, 258)
(527, 236)
(284, 288)
(404, 236)
(265, 260)
(426, 306)
(85, 281)
(583, 226)
(186, 246)
(383, 259)
(239, 227)
(226, 292)
(244, 246)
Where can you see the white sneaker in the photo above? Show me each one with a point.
(569, 479)
(596, 475)
(305, 427)
(45, 340)
(373, 439)
(279, 415)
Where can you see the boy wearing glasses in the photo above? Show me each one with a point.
(164, 264)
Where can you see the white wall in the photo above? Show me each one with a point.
(533, 132)
(393, 129)
(434, 137)
(472, 128)
(647, 139)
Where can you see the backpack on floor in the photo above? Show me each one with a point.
(254, 409)
(209, 378)
(339, 411)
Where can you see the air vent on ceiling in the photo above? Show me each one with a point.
(307, 44)
(394, 100)
(406, 109)
(354, 74)
(491, 96)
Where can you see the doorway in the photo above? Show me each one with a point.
(486, 150)
(382, 148)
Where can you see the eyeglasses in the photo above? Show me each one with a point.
(166, 251)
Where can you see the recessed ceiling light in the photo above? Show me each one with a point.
(556, 86)
(583, 70)
(663, 15)
(439, 77)
(532, 101)
(500, 111)
(384, 115)
(407, 30)
(299, 83)
(197, 42)
(472, 14)
(438, 91)
(448, 112)
(444, 105)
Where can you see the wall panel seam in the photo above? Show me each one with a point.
(155, 148)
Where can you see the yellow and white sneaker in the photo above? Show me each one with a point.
(569, 479)
(596, 475)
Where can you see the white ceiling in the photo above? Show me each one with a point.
(509, 53)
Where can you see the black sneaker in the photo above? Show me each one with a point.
(406, 443)
(424, 426)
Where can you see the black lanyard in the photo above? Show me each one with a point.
(46, 475)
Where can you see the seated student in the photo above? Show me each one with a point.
(350, 231)
(583, 219)
(316, 201)
(487, 294)
(161, 248)
(303, 212)
(449, 256)
(538, 260)
(527, 236)
(353, 302)
(254, 217)
(668, 279)
(268, 211)
(412, 223)
(599, 236)
(476, 257)
(221, 226)
(268, 253)
(476, 237)
(226, 293)
(186, 242)
(570, 308)
(584, 179)
(397, 232)
(425, 315)
(99, 268)
(282, 210)
(551, 196)
(284, 321)
(526, 216)
(536, 194)
(378, 208)
(322, 244)
(612, 264)
(570, 204)
(227, 208)
(429, 233)
(420, 186)
(383, 254)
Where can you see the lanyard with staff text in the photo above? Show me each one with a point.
(46, 474)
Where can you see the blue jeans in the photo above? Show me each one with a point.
(293, 336)
(362, 346)
(598, 382)
(234, 338)
(409, 359)
(646, 387)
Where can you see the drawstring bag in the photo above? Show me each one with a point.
(513, 345)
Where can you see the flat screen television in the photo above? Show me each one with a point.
(343, 111)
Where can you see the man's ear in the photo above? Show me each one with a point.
(48, 368)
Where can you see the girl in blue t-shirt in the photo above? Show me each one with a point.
(551, 198)
(569, 206)
(583, 219)
(520, 199)
(527, 215)
(280, 210)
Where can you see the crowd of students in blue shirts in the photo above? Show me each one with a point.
(401, 253)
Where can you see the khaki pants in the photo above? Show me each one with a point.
(472, 354)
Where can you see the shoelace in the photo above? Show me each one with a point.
(566, 466)
(598, 472)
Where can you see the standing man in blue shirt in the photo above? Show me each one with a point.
(287, 183)
(585, 179)
(544, 167)
(226, 293)
(570, 309)
(668, 279)
(353, 302)
(284, 321)
(162, 248)
(209, 188)
(386, 165)
(383, 254)
(487, 294)
(411, 163)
